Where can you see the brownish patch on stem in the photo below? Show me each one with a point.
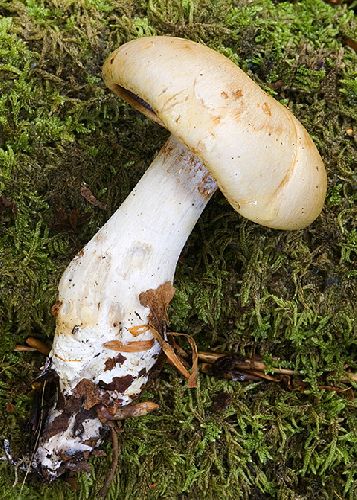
(89, 392)
(119, 384)
(56, 308)
(205, 187)
(112, 362)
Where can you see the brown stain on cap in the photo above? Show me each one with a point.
(266, 109)
(237, 94)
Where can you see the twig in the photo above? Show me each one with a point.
(255, 368)
(24, 348)
(38, 344)
(28, 468)
(248, 364)
(89, 196)
(115, 460)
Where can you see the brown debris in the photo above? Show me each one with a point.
(158, 301)
(10, 408)
(138, 346)
(89, 392)
(230, 367)
(247, 364)
(129, 411)
(138, 330)
(119, 384)
(59, 424)
(221, 401)
(68, 220)
(171, 355)
(7, 204)
(24, 348)
(38, 345)
(56, 308)
(112, 362)
(115, 461)
(192, 379)
(89, 196)
(350, 43)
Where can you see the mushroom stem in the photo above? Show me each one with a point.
(104, 348)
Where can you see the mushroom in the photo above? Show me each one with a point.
(113, 296)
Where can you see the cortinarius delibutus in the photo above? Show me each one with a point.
(115, 292)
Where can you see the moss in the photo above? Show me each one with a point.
(240, 287)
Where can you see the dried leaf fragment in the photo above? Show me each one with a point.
(138, 330)
(89, 196)
(129, 411)
(174, 358)
(139, 345)
(87, 390)
(158, 301)
(192, 379)
(38, 345)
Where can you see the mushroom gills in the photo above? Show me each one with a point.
(137, 102)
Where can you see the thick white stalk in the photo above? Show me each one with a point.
(98, 302)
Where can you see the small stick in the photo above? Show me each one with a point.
(249, 364)
(115, 460)
(39, 345)
(89, 196)
(209, 358)
(129, 411)
(24, 348)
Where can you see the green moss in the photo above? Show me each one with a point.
(240, 287)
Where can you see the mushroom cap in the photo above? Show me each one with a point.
(261, 156)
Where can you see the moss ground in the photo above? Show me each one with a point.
(240, 287)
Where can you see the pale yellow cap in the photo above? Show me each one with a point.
(261, 156)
